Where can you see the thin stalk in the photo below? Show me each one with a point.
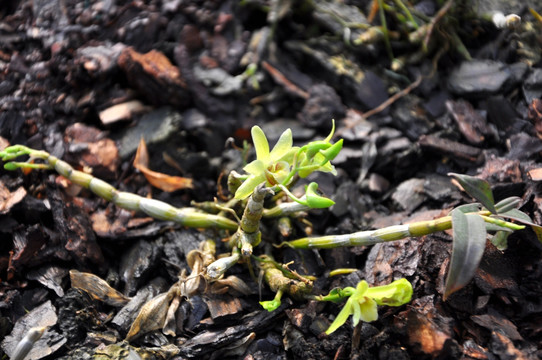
(385, 29)
(407, 13)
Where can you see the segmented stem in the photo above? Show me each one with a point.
(154, 208)
(391, 233)
(248, 234)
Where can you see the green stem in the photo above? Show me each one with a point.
(385, 29)
(154, 208)
(391, 233)
(407, 13)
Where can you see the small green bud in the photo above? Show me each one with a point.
(314, 200)
(10, 166)
(332, 152)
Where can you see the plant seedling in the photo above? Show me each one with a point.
(275, 172)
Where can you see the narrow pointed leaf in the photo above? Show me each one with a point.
(469, 240)
(507, 204)
(468, 208)
(518, 215)
(523, 218)
(478, 189)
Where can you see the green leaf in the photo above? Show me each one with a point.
(495, 227)
(397, 293)
(469, 240)
(523, 218)
(517, 215)
(468, 208)
(507, 204)
(478, 189)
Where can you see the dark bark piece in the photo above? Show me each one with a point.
(524, 146)
(535, 115)
(137, 264)
(75, 231)
(472, 124)
(496, 322)
(207, 341)
(26, 244)
(451, 148)
(51, 276)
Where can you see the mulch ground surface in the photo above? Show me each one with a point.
(454, 89)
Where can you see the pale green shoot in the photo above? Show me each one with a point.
(269, 167)
(277, 168)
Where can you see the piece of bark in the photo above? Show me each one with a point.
(471, 123)
(223, 307)
(451, 148)
(153, 75)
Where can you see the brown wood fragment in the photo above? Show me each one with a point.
(8, 198)
(471, 124)
(163, 182)
(153, 75)
(505, 348)
(223, 307)
(535, 174)
(98, 152)
(427, 329)
(496, 322)
(282, 80)
(451, 148)
(26, 244)
(473, 350)
(123, 111)
(501, 170)
(535, 115)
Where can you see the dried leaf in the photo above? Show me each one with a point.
(97, 288)
(152, 316)
(469, 240)
(478, 189)
(161, 181)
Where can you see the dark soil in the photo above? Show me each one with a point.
(179, 71)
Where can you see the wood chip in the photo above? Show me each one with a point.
(122, 111)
